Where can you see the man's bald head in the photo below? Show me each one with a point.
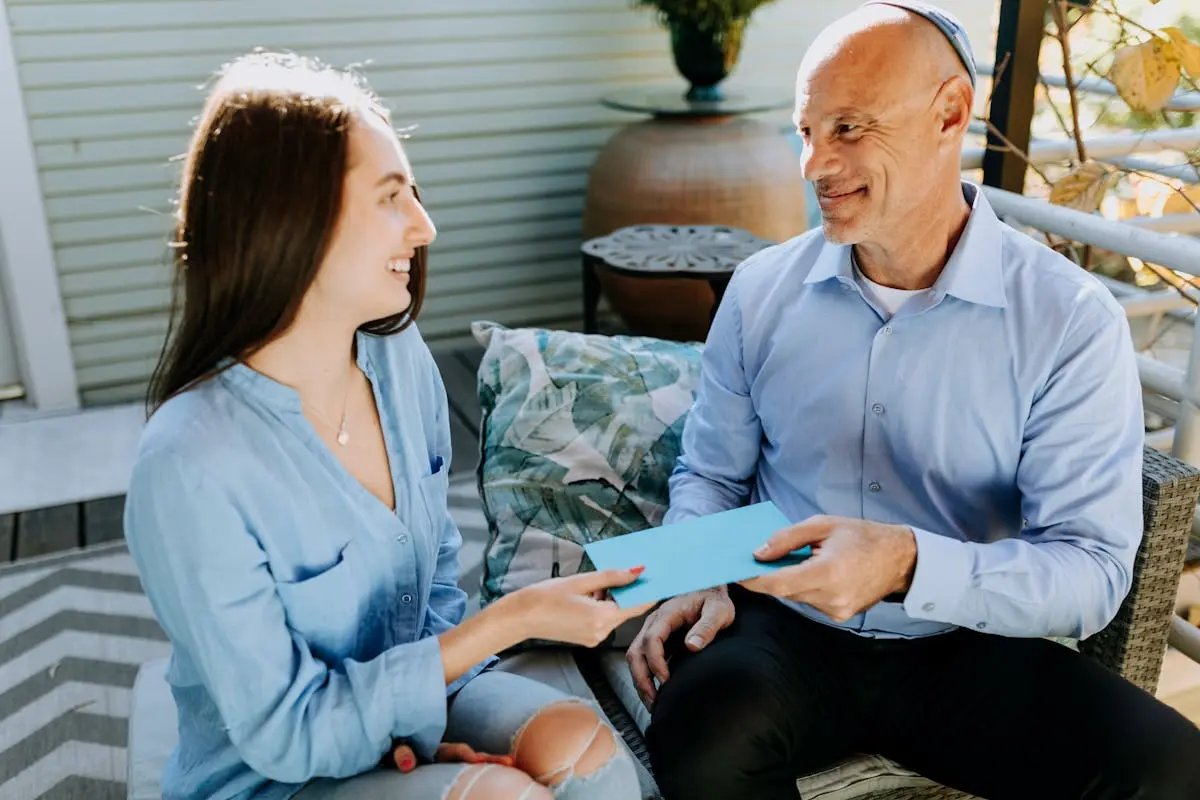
(899, 47)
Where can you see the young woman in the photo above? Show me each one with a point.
(287, 511)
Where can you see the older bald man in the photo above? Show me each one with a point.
(954, 412)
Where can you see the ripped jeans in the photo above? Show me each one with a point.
(490, 714)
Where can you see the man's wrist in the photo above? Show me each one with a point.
(907, 557)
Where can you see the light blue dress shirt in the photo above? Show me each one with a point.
(302, 611)
(999, 415)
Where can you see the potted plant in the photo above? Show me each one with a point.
(706, 39)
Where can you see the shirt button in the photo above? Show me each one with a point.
(927, 607)
(406, 598)
(874, 487)
(887, 331)
(980, 625)
(877, 408)
(402, 538)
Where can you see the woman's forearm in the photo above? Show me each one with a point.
(491, 631)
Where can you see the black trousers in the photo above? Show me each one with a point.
(776, 696)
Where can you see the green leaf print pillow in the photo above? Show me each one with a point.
(579, 435)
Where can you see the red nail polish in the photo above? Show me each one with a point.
(638, 570)
(407, 765)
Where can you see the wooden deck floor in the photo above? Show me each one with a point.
(51, 530)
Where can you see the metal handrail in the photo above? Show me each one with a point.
(1105, 147)
(1187, 222)
(1183, 101)
(1041, 153)
(1173, 252)
(1181, 253)
(1184, 637)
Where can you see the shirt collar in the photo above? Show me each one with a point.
(973, 272)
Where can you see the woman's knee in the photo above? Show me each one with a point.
(494, 782)
(563, 740)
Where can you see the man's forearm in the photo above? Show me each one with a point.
(1013, 587)
(693, 495)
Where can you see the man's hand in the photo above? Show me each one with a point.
(854, 565)
(707, 611)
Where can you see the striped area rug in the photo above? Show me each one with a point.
(73, 630)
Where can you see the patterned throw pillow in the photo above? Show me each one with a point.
(579, 436)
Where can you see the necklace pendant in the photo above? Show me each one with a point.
(343, 437)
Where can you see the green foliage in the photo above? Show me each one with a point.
(708, 15)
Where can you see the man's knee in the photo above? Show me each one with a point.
(562, 740)
(1166, 768)
(714, 721)
(493, 782)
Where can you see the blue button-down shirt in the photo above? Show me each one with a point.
(302, 611)
(999, 415)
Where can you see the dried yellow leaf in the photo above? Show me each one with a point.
(1083, 188)
(1187, 51)
(1183, 201)
(1146, 74)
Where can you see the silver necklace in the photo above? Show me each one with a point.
(343, 435)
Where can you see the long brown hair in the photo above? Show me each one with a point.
(258, 202)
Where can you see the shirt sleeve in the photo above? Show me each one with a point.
(723, 435)
(291, 717)
(1079, 476)
(447, 602)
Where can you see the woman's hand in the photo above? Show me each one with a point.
(448, 752)
(576, 609)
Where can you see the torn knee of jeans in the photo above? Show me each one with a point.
(563, 740)
(493, 782)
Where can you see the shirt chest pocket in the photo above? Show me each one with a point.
(434, 489)
(326, 608)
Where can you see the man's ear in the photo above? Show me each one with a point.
(953, 106)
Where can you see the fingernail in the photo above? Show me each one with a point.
(637, 570)
(762, 551)
(407, 764)
(695, 641)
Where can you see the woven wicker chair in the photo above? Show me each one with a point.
(1132, 645)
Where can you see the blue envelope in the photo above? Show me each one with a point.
(695, 554)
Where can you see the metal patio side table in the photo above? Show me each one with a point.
(700, 252)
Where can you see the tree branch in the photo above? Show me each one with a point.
(1012, 148)
(1062, 29)
(1169, 184)
(1162, 274)
(1062, 122)
(1111, 10)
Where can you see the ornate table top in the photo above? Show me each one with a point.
(701, 251)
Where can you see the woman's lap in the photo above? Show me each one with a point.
(487, 714)
(490, 710)
(426, 782)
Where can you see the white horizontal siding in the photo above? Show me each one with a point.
(504, 94)
(9, 374)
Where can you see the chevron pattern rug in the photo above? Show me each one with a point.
(73, 630)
